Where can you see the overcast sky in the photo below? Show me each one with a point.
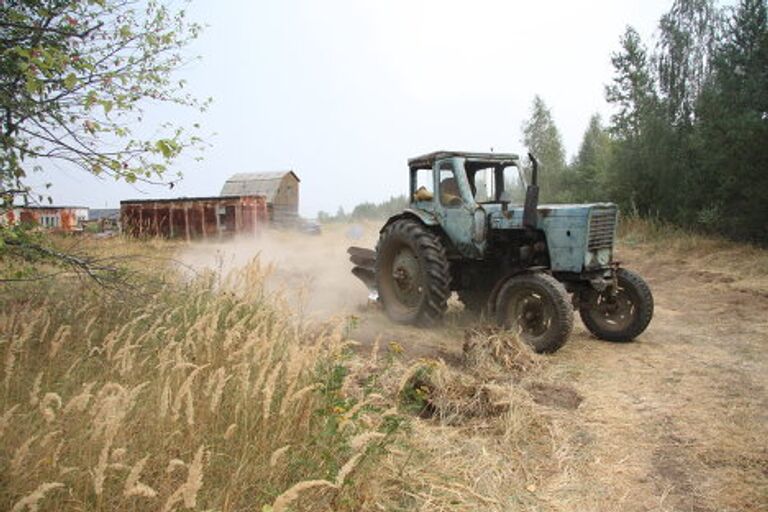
(344, 92)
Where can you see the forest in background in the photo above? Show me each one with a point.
(688, 139)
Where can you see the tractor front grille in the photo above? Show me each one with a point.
(602, 228)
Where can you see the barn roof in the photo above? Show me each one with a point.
(255, 183)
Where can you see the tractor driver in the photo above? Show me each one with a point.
(449, 192)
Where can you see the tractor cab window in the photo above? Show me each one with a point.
(449, 188)
(423, 185)
(514, 186)
(497, 184)
(483, 182)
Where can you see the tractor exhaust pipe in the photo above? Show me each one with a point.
(531, 207)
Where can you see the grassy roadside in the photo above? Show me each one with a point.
(179, 393)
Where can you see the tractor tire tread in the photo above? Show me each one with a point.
(641, 322)
(429, 249)
(564, 310)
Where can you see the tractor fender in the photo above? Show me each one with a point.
(422, 216)
(427, 219)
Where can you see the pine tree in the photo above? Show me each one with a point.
(632, 91)
(637, 128)
(542, 138)
(589, 171)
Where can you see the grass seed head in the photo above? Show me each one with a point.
(283, 501)
(19, 457)
(31, 501)
(34, 398)
(230, 432)
(277, 455)
(50, 403)
(132, 485)
(175, 464)
(194, 479)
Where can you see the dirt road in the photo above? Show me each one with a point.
(677, 420)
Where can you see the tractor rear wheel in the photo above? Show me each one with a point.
(536, 306)
(621, 314)
(412, 273)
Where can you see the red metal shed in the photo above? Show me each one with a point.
(193, 217)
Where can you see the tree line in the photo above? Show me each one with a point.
(367, 211)
(688, 140)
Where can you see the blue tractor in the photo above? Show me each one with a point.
(474, 226)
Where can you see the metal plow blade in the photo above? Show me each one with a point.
(365, 265)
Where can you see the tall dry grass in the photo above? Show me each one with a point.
(714, 252)
(180, 393)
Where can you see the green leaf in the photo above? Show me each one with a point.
(166, 147)
(90, 99)
(32, 85)
(70, 81)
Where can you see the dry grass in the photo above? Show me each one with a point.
(479, 441)
(209, 393)
(178, 394)
(710, 252)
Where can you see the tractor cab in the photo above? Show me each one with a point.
(457, 190)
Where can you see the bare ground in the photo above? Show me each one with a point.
(677, 420)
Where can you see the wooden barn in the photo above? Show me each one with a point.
(193, 217)
(280, 189)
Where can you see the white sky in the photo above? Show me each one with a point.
(345, 91)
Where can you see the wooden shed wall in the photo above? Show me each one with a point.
(191, 218)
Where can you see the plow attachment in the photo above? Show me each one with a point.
(365, 268)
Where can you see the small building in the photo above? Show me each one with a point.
(101, 220)
(280, 189)
(65, 219)
(193, 217)
(108, 214)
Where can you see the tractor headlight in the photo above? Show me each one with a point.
(478, 233)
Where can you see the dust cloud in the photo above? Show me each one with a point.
(312, 272)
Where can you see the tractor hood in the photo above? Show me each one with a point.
(512, 218)
(579, 236)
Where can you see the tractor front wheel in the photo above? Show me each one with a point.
(618, 313)
(536, 306)
(412, 273)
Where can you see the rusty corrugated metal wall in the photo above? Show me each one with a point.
(193, 217)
